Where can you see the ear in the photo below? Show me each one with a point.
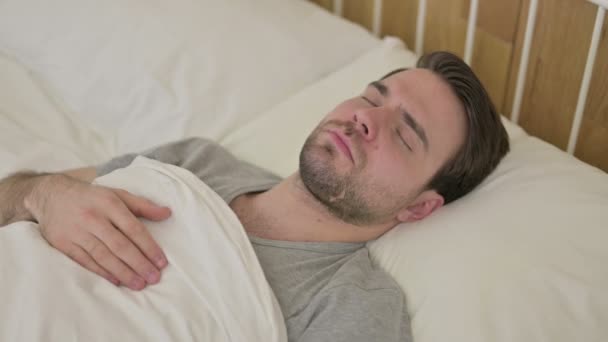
(427, 202)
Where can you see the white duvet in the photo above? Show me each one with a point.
(214, 288)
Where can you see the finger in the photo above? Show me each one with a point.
(136, 231)
(123, 245)
(102, 255)
(79, 255)
(142, 207)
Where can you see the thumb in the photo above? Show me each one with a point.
(142, 207)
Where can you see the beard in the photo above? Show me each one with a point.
(347, 195)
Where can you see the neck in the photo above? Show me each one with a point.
(290, 212)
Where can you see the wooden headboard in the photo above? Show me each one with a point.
(558, 52)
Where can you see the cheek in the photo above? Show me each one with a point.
(402, 173)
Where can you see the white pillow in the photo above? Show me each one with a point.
(145, 72)
(34, 131)
(522, 258)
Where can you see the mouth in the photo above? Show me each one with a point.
(342, 145)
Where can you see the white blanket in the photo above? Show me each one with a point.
(214, 288)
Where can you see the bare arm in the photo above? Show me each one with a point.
(16, 190)
(95, 226)
(13, 191)
(85, 174)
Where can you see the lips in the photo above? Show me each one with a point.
(342, 145)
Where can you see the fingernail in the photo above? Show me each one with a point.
(137, 283)
(160, 261)
(152, 277)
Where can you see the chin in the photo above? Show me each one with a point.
(317, 168)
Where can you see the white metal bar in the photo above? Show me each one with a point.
(523, 64)
(601, 3)
(468, 45)
(582, 95)
(377, 20)
(420, 27)
(338, 7)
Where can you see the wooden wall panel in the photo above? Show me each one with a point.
(446, 26)
(399, 19)
(592, 146)
(499, 18)
(557, 60)
(359, 11)
(494, 45)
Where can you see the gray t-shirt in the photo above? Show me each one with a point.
(327, 291)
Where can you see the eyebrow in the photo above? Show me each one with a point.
(406, 116)
(382, 89)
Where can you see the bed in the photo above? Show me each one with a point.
(521, 258)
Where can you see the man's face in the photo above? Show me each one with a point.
(370, 158)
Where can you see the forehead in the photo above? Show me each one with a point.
(432, 102)
(423, 88)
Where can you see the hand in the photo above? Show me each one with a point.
(97, 227)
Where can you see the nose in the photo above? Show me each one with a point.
(366, 122)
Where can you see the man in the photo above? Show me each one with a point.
(413, 141)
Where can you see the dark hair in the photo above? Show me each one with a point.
(486, 140)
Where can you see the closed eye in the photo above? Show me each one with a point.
(403, 140)
(396, 130)
(369, 101)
